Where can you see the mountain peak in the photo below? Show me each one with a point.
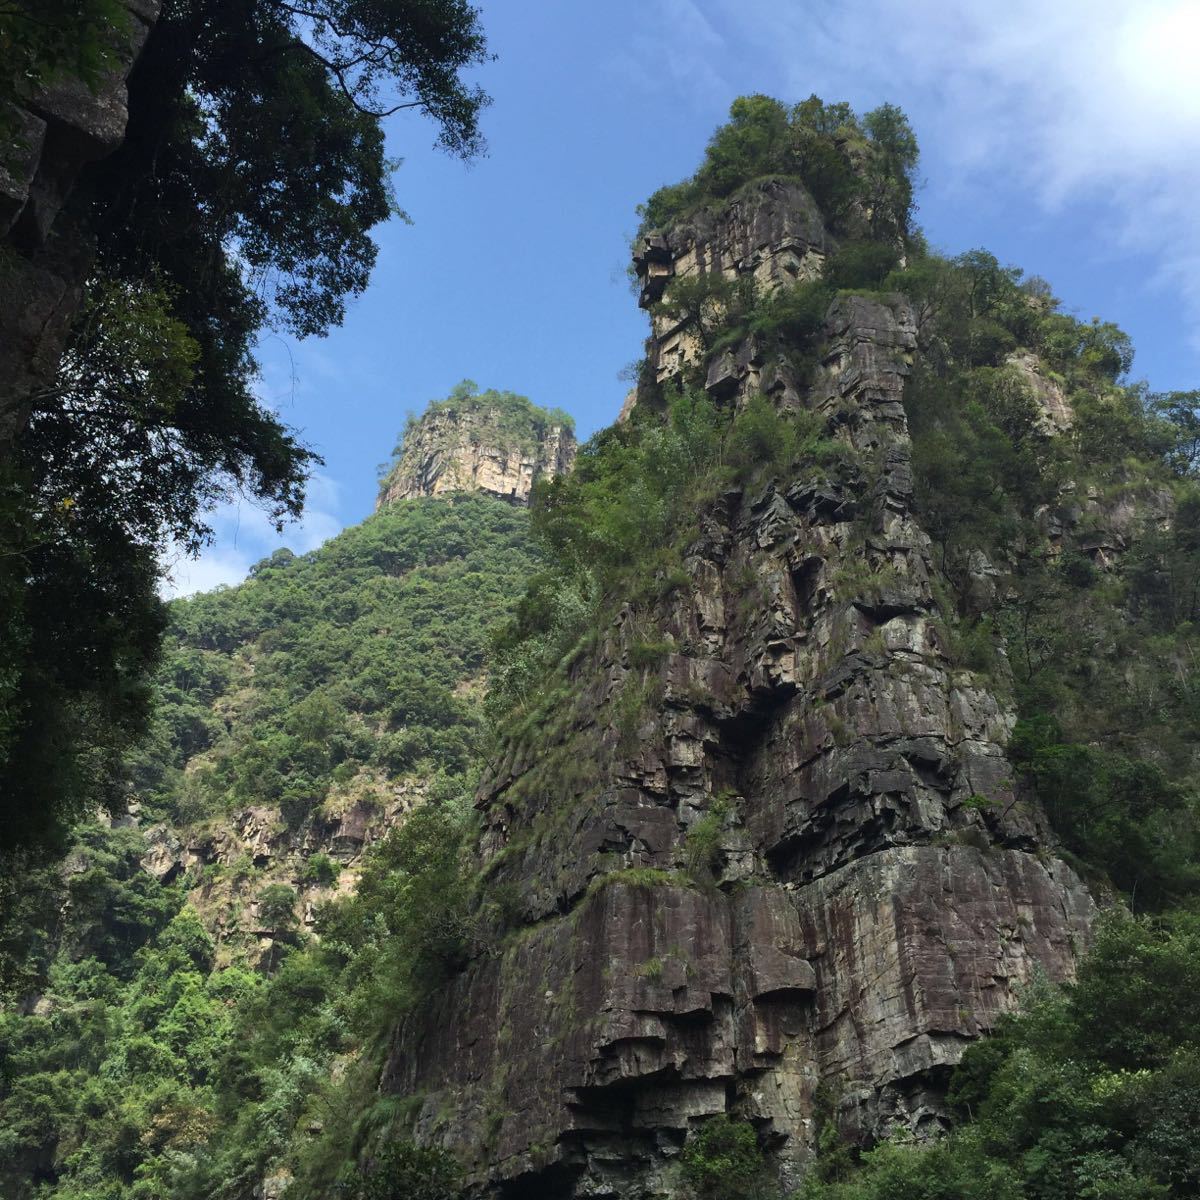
(494, 442)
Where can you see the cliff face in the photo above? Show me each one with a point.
(773, 235)
(43, 262)
(479, 443)
(230, 861)
(796, 874)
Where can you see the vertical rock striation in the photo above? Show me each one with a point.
(877, 892)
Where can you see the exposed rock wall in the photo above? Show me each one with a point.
(453, 451)
(44, 258)
(230, 861)
(878, 892)
(773, 234)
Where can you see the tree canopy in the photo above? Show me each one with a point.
(242, 198)
(859, 169)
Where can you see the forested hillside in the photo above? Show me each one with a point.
(155, 1060)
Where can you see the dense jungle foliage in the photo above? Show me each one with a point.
(147, 1068)
(241, 199)
(152, 1067)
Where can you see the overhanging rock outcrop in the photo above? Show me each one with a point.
(872, 890)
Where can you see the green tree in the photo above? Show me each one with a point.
(723, 1160)
(243, 197)
(404, 1171)
(277, 908)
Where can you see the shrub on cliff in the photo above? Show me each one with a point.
(404, 1171)
(858, 169)
(1093, 1092)
(722, 1161)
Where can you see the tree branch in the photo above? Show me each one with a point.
(337, 71)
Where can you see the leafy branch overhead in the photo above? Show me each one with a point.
(243, 197)
(411, 49)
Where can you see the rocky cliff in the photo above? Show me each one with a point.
(767, 855)
(491, 442)
(227, 863)
(44, 260)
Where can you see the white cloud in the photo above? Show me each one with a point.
(243, 535)
(1082, 102)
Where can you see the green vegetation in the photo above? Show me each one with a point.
(858, 169)
(325, 671)
(146, 1072)
(1097, 643)
(52, 39)
(210, 224)
(320, 870)
(403, 1171)
(704, 839)
(153, 1068)
(618, 526)
(723, 1161)
(1092, 1092)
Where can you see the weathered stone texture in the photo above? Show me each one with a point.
(878, 890)
(451, 452)
(44, 259)
(254, 848)
(1054, 410)
(772, 234)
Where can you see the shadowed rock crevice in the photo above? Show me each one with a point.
(44, 257)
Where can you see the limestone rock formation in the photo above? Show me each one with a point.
(878, 892)
(773, 234)
(490, 442)
(1053, 408)
(57, 132)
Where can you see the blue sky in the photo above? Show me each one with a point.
(1063, 137)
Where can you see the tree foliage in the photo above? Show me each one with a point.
(1091, 1092)
(43, 41)
(858, 169)
(158, 1072)
(344, 662)
(723, 1161)
(242, 197)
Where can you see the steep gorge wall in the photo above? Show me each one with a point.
(879, 893)
(45, 258)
